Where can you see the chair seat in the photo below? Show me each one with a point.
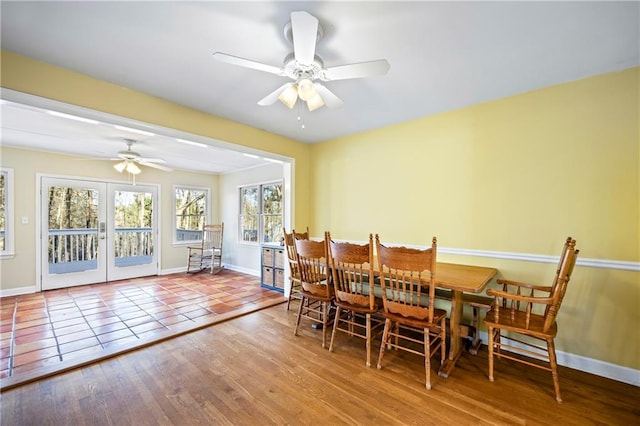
(361, 308)
(317, 291)
(322, 297)
(438, 315)
(518, 323)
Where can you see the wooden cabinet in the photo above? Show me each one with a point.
(273, 264)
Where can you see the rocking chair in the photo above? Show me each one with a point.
(209, 254)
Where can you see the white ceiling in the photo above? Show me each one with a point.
(443, 55)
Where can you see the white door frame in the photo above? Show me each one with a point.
(40, 238)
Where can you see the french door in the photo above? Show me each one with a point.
(95, 231)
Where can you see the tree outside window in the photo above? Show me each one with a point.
(3, 209)
(6, 212)
(272, 213)
(190, 213)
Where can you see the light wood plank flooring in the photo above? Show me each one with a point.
(252, 370)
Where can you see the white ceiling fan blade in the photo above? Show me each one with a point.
(272, 97)
(330, 100)
(359, 70)
(304, 28)
(153, 165)
(247, 63)
(153, 160)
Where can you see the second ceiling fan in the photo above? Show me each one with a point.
(305, 68)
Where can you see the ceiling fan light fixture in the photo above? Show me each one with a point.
(289, 96)
(306, 89)
(315, 102)
(133, 168)
(120, 166)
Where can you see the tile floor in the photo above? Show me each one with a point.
(38, 331)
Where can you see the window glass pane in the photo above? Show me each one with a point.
(272, 226)
(133, 225)
(261, 213)
(249, 200)
(272, 212)
(272, 199)
(249, 228)
(249, 209)
(3, 210)
(73, 208)
(191, 213)
(73, 229)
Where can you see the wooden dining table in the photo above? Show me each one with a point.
(459, 279)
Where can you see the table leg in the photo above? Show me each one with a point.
(455, 343)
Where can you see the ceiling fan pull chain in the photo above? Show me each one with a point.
(300, 116)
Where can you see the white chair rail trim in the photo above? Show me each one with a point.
(593, 263)
(526, 257)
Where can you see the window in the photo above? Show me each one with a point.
(6, 212)
(261, 213)
(191, 213)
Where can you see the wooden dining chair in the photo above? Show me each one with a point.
(294, 274)
(209, 254)
(522, 309)
(353, 282)
(315, 284)
(412, 323)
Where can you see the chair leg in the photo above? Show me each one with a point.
(385, 337)
(443, 337)
(325, 314)
(335, 325)
(490, 345)
(427, 358)
(554, 368)
(396, 331)
(295, 331)
(368, 338)
(475, 342)
(290, 295)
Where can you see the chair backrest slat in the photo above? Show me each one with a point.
(407, 277)
(351, 265)
(567, 263)
(313, 266)
(212, 237)
(290, 246)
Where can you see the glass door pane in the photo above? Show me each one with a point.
(132, 221)
(73, 224)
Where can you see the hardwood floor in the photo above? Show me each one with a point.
(252, 370)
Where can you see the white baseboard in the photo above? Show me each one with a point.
(173, 271)
(226, 266)
(587, 365)
(599, 368)
(255, 273)
(18, 291)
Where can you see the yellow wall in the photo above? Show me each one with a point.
(518, 175)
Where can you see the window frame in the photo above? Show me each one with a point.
(9, 232)
(261, 214)
(207, 213)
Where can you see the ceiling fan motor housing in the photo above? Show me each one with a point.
(128, 154)
(295, 70)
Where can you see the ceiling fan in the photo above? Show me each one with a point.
(130, 160)
(304, 67)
